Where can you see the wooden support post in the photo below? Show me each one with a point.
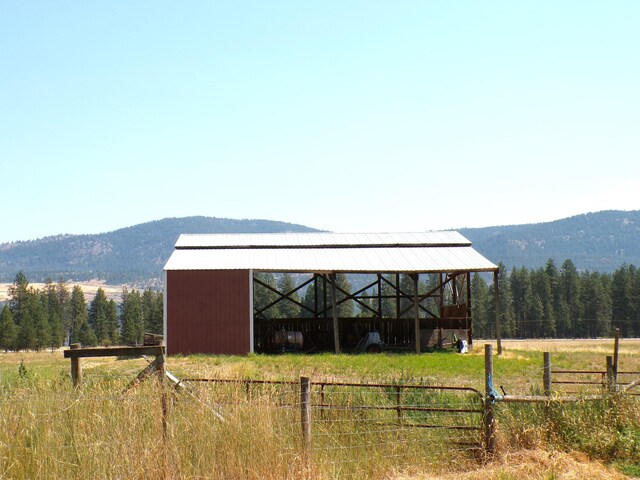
(156, 366)
(489, 423)
(416, 307)
(76, 369)
(334, 311)
(546, 376)
(397, 288)
(616, 348)
(305, 413)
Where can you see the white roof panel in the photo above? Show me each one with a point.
(284, 240)
(353, 260)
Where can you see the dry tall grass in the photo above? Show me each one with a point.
(51, 431)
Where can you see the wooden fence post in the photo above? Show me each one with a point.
(162, 377)
(610, 375)
(76, 369)
(162, 383)
(546, 384)
(616, 348)
(305, 412)
(489, 423)
(546, 376)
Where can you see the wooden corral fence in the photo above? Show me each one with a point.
(76, 352)
(155, 368)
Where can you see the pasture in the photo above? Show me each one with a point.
(52, 431)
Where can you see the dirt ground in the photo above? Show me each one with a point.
(530, 465)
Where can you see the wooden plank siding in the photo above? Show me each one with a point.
(208, 311)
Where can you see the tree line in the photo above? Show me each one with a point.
(552, 302)
(545, 302)
(34, 319)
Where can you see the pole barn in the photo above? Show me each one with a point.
(412, 289)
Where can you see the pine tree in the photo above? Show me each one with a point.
(545, 324)
(152, 311)
(80, 329)
(551, 272)
(564, 323)
(57, 334)
(407, 289)
(479, 306)
(520, 285)
(17, 293)
(265, 295)
(40, 320)
(85, 335)
(54, 315)
(596, 302)
(27, 337)
(112, 334)
(621, 299)
(8, 330)
(507, 319)
(309, 300)
(131, 317)
(64, 307)
(569, 287)
(286, 307)
(97, 316)
(388, 288)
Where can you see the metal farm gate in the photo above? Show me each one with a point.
(341, 424)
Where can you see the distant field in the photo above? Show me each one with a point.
(89, 289)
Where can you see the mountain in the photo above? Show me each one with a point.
(135, 254)
(601, 241)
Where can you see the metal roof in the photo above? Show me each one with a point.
(319, 252)
(321, 240)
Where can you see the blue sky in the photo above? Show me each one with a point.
(340, 115)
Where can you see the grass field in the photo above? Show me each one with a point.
(52, 431)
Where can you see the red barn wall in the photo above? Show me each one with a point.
(208, 311)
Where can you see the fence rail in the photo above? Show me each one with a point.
(585, 378)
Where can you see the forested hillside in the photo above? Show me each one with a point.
(127, 255)
(601, 241)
